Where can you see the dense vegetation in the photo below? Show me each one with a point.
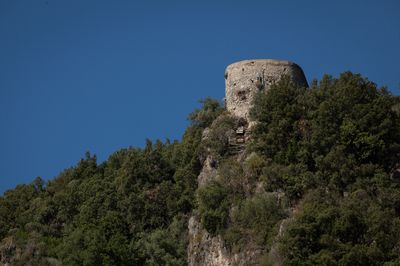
(321, 160)
(131, 209)
(337, 143)
(315, 186)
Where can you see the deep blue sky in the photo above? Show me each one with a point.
(103, 75)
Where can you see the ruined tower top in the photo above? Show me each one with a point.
(244, 79)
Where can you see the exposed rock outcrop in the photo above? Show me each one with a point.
(243, 80)
(208, 172)
(205, 249)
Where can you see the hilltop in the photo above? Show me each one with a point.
(283, 173)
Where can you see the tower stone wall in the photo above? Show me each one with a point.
(244, 79)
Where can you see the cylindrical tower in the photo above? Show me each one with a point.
(245, 78)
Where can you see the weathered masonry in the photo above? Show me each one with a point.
(244, 79)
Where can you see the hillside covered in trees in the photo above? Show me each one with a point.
(318, 184)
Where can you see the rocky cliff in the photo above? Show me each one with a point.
(243, 81)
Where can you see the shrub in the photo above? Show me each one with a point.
(213, 207)
(254, 220)
(216, 140)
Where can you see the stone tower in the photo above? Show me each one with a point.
(244, 79)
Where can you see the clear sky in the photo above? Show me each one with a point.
(98, 76)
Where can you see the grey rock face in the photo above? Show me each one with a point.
(208, 172)
(245, 78)
(205, 249)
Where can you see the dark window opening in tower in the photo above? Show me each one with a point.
(259, 83)
(242, 95)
